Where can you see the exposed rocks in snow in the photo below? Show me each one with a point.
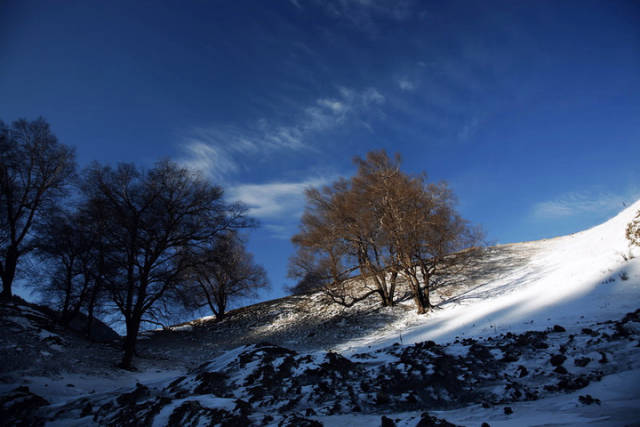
(533, 322)
(588, 400)
(427, 420)
(18, 407)
(294, 388)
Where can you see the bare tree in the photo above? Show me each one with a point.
(71, 254)
(34, 171)
(62, 246)
(385, 225)
(154, 218)
(433, 242)
(334, 244)
(224, 271)
(633, 230)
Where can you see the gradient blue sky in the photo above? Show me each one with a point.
(531, 110)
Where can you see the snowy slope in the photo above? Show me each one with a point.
(549, 330)
(589, 276)
(513, 287)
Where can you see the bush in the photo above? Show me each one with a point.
(633, 230)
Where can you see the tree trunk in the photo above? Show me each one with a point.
(392, 287)
(387, 301)
(420, 294)
(130, 339)
(67, 315)
(89, 321)
(9, 271)
(427, 301)
(417, 294)
(421, 298)
(91, 308)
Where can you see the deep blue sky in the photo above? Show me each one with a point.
(531, 110)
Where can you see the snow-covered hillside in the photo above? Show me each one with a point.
(537, 333)
(589, 276)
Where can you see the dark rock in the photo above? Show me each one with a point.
(523, 371)
(603, 358)
(485, 425)
(381, 398)
(338, 363)
(212, 383)
(560, 370)
(573, 383)
(192, 413)
(386, 422)
(297, 421)
(508, 410)
(427, 420)
(589, 331)
(480, 352)
(86, 410)
(139, 393)
(588, 400)
(582, 362)
(19, 406)
(534, 339)
(242, 407)
(558, 359)
(510, 355)
(632, 317)
(558, 328)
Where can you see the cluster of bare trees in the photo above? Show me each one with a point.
(128, 238)
(383, 226)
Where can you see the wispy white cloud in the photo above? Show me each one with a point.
(578, 203)
(362, 14)
(406, 85)
(208, 159)
(218, 151)
(274, 200)
(371, 96)
(334, 105)
(469, 128)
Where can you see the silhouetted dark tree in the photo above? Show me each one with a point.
(154, 220)
(34, 171)
(62, 245)
(224, 271)
(385, 225)
(69, 248)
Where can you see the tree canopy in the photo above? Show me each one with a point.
(156, 220)
(35, 170)
(383, 226)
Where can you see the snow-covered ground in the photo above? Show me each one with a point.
(619, 396)
(548, 329)
(589, 276)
